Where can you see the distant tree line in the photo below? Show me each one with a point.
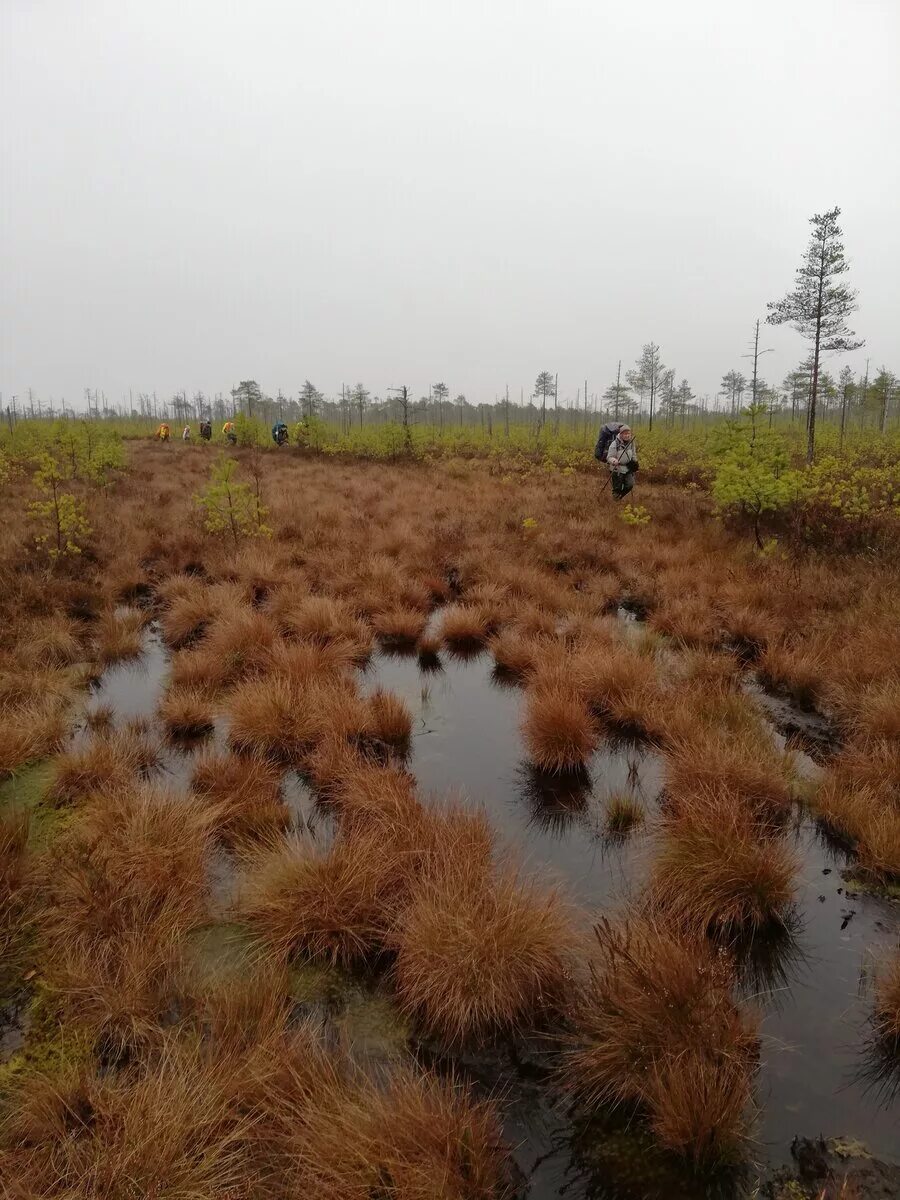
(649, 391)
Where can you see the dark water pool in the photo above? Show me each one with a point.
(814, 996)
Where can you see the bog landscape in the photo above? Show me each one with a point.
(393, 813)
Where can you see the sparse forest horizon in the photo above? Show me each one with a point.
(818, 308)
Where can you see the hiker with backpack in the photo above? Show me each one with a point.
(615, 447)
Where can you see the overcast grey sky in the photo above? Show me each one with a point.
(203, 191)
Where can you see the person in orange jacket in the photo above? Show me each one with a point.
(162, 433)
(228, 430)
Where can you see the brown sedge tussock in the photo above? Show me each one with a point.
(481, 951)
(657, 1010)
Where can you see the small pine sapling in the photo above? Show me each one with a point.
(65, 527)
(229, 507)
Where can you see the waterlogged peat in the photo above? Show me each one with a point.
(808, 979)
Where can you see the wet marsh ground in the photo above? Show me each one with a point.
(591, 832)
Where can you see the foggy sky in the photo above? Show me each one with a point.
(198, 192)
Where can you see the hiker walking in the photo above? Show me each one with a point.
(621, 458)
(279, 433)
(186, 433)
(205, 430)
(230, 435)
(162, 434)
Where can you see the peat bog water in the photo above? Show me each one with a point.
(813, 991)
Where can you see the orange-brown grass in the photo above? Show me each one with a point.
(324, 621)
(30, 732)
(619, 684)
(122, 988)
(514, 652)
(136, 848)
(715, 871)
(873, 763)
(236, 645)
(15, 885)
(653, 1003)
(481, 952)
(187, 616)
(275, 718)
(390, 721)
(119, 635)
(329, 1131)
(186, 712)
(304, 661)
(710, 761)
(859, 814)
(887, 1002)
(465, 628)
(400, 627)
(875, 713)
(794, 670)
(52, 642)
(107, 762)
(327, 765)
(122, 887)
(170, 1130)
(558, 729)
(687, 619)
(322, 904)
(245, 791)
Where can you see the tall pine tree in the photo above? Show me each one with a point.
(819, 305)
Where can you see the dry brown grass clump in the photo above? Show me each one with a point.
(245, 793)
(466, 627)
(123, 886)
(273, 717)
(329, 905)
(860, 814)
(619, 684)
(400, 628)
(188, 613)
(481, 952)
(236, 646)
(109, 761)
(172, 1130)
(326, 622)
(559, 732)
(876, 712)
(390, 721)
(186, 713)
(887, 1002)
(656, 1027)
(30, 732)
(16, 879)
(119, 635)
(797, 671)
(515, 652)
(330, 1132)
(52, 642)
(711, 761)
(717, 871)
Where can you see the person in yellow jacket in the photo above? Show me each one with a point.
(162, 433)
(228, 430)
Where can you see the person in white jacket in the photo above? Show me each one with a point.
(622, 461)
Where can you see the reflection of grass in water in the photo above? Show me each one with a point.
(768, 961)
(879, 1070)
(554, 800)
(623, 814)
(614, 1157)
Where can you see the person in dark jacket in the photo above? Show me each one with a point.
(279, 433)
